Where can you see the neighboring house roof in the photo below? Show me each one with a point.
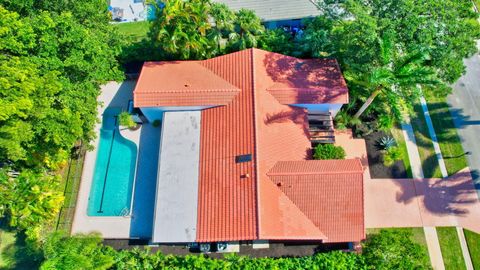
(240, 201)
(274, 10)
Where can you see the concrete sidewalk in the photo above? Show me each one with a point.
(431, 237)
(443, 169)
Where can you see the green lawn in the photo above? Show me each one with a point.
(473, 242)
(447, 135)
(13, 252)
(134, 30)
(451, 250)
(7, 241)
(400, 139)
(424, 143)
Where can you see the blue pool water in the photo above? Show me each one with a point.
(112, 185)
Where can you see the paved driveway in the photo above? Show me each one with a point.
(465, 109)
(422, 202)
(450, 201)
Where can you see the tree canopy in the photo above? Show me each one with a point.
(354, 31)
(52, 64)
(29, 200)
(200, 29)
(54, 55)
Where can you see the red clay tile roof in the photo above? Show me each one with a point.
(305, 81)
(181, 83)
(328, 192)
(239, 201)
(227, 202)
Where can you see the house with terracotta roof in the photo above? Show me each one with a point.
(235, 150)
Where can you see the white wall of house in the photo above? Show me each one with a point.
(318, 108)
(156, 113)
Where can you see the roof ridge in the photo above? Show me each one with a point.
(255, 145)
(201, 64)
(313, 173)
(194, 90)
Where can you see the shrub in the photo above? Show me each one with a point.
(126, 120)
(78, 252)
(344, 120)
(156, 123)
(329, 151)
(394, 249)
(385, 122)
(386, 142)
(391, 155)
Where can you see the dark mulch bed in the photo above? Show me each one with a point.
(377, 168)
(275, 250)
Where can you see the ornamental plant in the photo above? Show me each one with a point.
(329, 151)
(126, 120)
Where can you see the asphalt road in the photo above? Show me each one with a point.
(465, 110)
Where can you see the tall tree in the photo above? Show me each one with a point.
(180, 29)
(52, 68)
(396, 76)
(29, 200)
(247, 31)
(446, 29)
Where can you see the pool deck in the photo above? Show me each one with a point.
(113, 95)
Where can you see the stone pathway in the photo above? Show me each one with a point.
(443, 169)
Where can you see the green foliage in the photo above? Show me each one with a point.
(388, 47)
(329, 151)
(181, 28)
(277, 41)
(344, 120)
(318, 39)
(195, 29)
(52, 64)
(29, 200)
(79, 252)
(126, 120)
(156, 123)
(386, 142)
(248, 29)
(391, 155)
(144, 259)
(385, 122)
(394, 249)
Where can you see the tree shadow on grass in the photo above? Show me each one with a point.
(16, 254)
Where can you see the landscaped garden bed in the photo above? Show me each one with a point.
(376, 158)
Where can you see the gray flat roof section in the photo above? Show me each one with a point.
(275, 10)
(176, 200)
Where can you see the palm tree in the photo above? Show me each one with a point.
(224, 21)
(399, 76)
(248, 30)
(181, 27)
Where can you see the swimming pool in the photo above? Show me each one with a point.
(112, 184)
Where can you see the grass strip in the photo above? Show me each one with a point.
(424, 143)
(451, 249)
(473, 242)
(447, 135)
